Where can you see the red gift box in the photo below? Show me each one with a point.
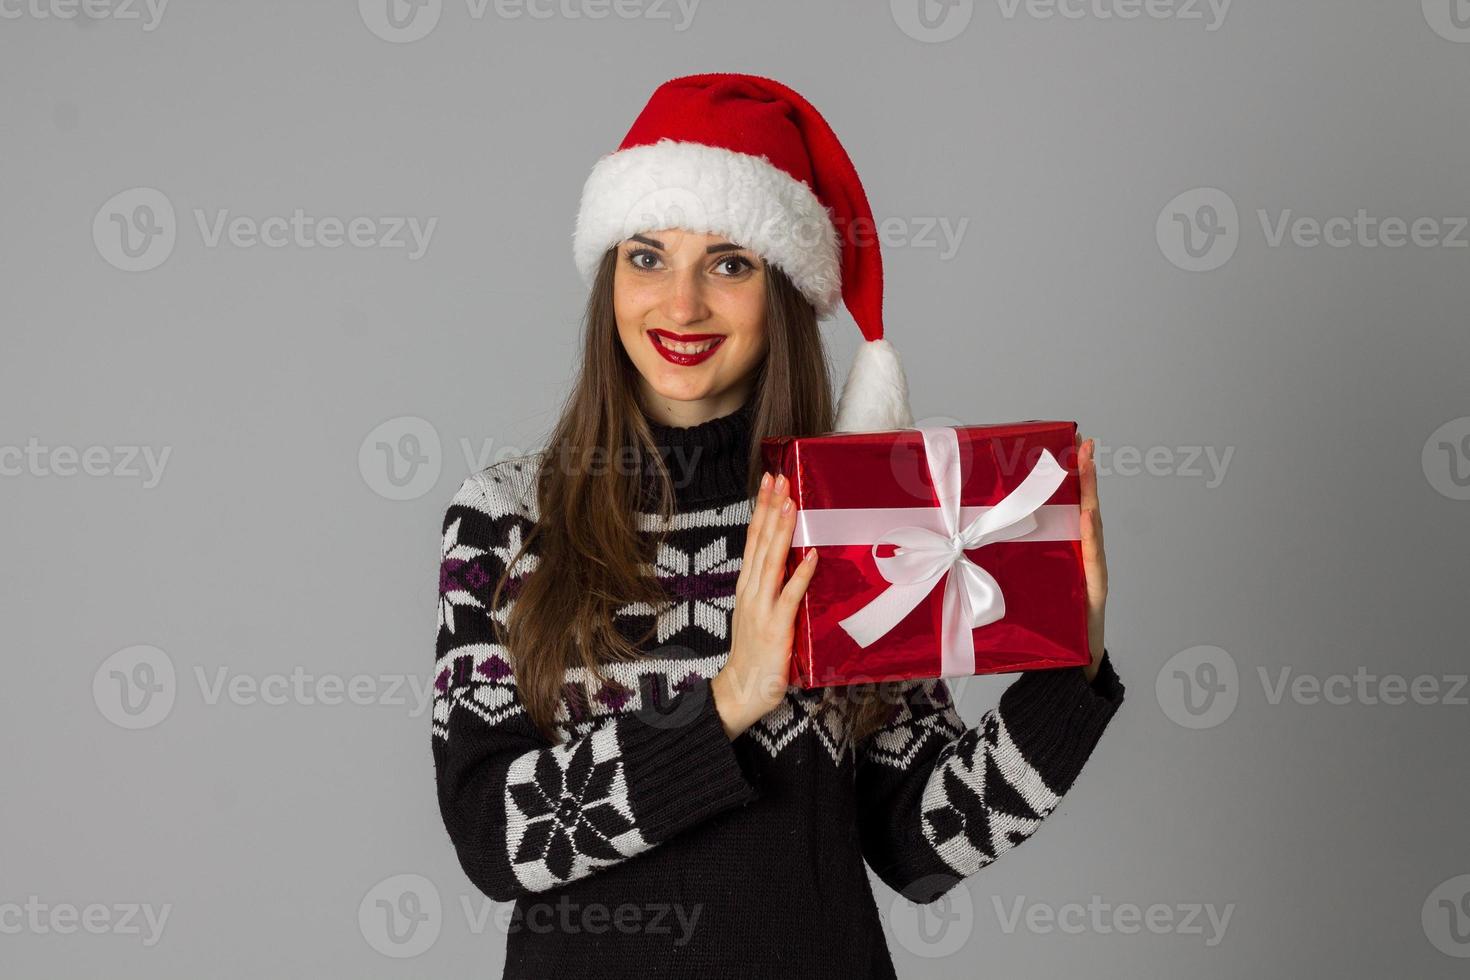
(945, 551)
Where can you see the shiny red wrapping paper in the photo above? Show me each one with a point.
(1043, 582)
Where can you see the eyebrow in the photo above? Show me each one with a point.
(721, 247)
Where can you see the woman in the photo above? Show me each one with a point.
(618, 751)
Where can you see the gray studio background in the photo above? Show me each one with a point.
(225, 464)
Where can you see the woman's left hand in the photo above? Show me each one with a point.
(1094, 561)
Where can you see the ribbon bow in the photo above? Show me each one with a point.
(972, 597)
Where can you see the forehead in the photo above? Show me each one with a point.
(676, 239)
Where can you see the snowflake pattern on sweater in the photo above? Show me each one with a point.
(643, 768)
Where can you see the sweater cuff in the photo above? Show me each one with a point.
(681, 766)
(1056, 717)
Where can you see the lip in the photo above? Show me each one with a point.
(685, 360)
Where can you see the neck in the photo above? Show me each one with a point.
(708, 462)
(672, 413)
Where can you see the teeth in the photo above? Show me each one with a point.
(683, 348)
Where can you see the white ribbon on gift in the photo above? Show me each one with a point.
(933, 542)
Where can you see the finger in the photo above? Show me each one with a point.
(1093, 564)
(757, 585)
(1087, 473)
(752, 536)
(778, 552)
(795, 586)
(1102, 548)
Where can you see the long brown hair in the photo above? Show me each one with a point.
(591, 551)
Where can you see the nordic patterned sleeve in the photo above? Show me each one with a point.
(938, 801)
(525, 815)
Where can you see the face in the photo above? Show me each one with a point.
(691, 313)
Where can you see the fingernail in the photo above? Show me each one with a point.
(786, 506)
(811, 555)
(765, 480)
(781, 482)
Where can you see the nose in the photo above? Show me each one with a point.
(684, 300)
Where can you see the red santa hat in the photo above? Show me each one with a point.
(748, 158)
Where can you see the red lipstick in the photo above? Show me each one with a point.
(685, 360)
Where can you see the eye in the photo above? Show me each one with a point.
(636, 256)
(740, 262)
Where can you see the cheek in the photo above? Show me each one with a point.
(747, 325)
(630, 304)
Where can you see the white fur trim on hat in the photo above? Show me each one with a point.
(709, 189)
(876, 395)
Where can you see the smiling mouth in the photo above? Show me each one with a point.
(685, 351)
(685, 346)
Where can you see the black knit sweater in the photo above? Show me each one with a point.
(647, 843)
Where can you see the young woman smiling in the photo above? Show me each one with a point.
(615, 744)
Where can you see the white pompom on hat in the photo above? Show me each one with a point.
(747, 157)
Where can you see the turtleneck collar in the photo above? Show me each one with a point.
(708, 463)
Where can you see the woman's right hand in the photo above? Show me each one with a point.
(763, 624)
